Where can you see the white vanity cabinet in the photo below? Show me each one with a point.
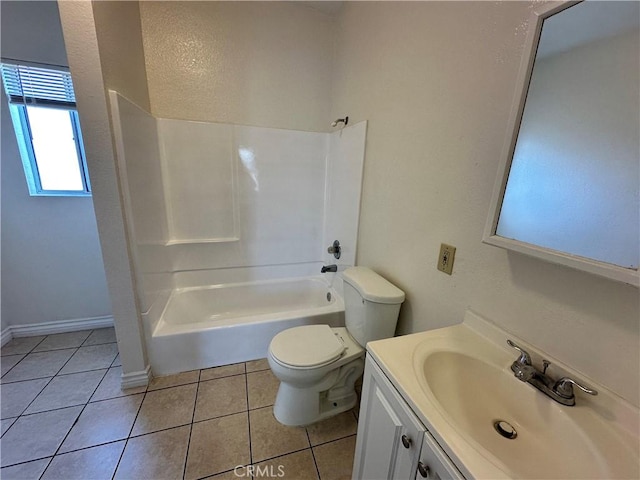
(392, 443)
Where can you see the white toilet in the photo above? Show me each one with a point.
(318, 365)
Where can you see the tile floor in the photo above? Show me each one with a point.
(65, 417)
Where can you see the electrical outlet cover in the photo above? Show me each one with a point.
(446, 257)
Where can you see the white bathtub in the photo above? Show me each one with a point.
(215, 325)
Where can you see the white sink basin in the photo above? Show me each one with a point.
(460, 383)
(473, 395)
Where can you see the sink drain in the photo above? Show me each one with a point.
(505, 429)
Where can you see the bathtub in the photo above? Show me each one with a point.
(214, 325)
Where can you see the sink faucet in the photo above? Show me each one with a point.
(329, 268)
(561, 390)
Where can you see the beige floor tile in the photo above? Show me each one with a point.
(111, 386)
(262, 388)
(269, 438)
(166, 408)
(333, 428)
(222, 396)
(295, 466)
(5, 423)
(335, 459)
(20, 345)
(91, 358)
(66, 391)
(24, 471)
(257, 365)
(159, 455)
(62, 340)
(8, 362)
(219, 372)
(103, 422)
(37, 436)
(100, 336)
(95, 463)
(183, 378)
(38, 365)
(218, 445)
(16, 397)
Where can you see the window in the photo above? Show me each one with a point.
(43, 111)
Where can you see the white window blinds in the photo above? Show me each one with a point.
(33, 85)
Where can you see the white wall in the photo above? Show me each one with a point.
(573, 184)
(435, 82)
(247, 63)
(51, 259)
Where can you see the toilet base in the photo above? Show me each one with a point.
(334, 394)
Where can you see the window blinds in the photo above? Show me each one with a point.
(33, 85)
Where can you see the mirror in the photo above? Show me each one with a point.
(568, 186)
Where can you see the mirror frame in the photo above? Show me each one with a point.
(614, 272)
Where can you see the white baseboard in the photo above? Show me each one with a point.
(5, 335)
(136, 379)
(58, 326)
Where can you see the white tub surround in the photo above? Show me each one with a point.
(215, 325)
(211, 206)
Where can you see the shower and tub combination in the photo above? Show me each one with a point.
(230, 227)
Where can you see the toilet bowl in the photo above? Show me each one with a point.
(318, 365)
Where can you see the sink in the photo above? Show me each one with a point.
(459, 383)
(473, 395)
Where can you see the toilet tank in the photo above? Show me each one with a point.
(372, 305)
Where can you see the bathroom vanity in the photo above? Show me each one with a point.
(392, 442)
(447, 403)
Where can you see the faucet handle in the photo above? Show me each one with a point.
(564, 387)
(525, 358)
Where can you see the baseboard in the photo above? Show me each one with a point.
(5, 335)
(136, 379)
(58, 326)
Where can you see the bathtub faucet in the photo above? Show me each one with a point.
(329, 268)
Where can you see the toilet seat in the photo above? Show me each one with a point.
(309, 346)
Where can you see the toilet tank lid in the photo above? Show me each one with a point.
(372, 287)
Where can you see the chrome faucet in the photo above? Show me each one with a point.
(561, 390)
(329, 268)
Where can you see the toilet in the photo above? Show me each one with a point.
(318, 365)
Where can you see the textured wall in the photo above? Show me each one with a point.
(263, 64)
(435, 82)
(121, 51)
(51, 260)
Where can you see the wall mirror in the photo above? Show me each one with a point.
(568, 184)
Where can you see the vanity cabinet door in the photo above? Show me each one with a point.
(389, 435)
(434, 464)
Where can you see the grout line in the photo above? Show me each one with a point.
(284, 454)
(126, 442)
(246, 386)
(24, 355)
(313, 455)
(27, 461)
(193, 415)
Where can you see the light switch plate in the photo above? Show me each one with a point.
(446, 257)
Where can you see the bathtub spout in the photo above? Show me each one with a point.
(329, 268)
